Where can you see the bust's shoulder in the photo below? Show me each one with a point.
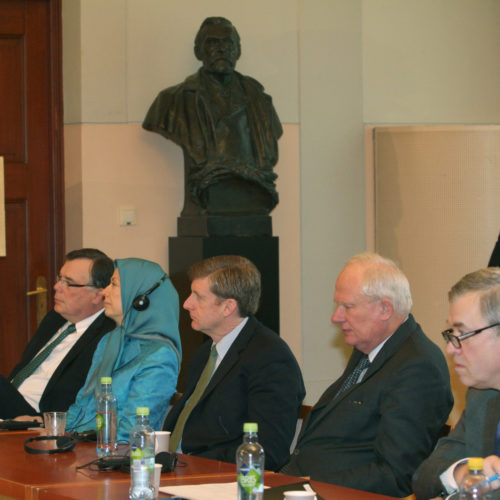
(249, 82)
(190, 83)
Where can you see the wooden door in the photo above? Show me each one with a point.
(31, 145)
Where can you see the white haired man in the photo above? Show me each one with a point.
(373, 426)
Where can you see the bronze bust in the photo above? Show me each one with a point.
(227, 127)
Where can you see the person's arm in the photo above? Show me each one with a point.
(274, 399)
(152, 384)
(428, 479)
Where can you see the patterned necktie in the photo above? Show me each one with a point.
(193, 400)
(30, 368)
(352, 379)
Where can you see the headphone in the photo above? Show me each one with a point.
(141, 302)
(63, 443)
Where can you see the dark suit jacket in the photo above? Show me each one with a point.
(71, 373)
(258, 380)
(374, 435)
(473, 436)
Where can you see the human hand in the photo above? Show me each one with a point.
(491, 467)
(28, 418)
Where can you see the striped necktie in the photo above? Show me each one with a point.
(353, 378)
(30, 368)
(205, 376)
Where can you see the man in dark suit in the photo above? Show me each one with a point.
(49, 380)
(375, 424)
(243, 373)
(474, 342)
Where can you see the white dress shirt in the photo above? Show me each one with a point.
(32, 387)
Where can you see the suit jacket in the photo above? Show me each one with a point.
(473, 436)
(258, 380)
(69, 376)
(374, 435)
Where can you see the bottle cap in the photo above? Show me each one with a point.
(143, 410)
(476, 463)
(105, 380)
(250, 427)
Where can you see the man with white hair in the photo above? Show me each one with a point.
(373, 426)
(473, 340)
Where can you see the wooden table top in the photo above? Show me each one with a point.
(55, 477)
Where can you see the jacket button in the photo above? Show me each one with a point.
(296, 451)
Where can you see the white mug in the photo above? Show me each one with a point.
(162, 441)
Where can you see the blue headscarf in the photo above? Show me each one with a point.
(158, 322)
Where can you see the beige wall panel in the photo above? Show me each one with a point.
(428, 61)
(437, 212)
(286, 225)
(74, 212)
(332, 175)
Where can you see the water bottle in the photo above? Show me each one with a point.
(142, 457)
(474, 485)
(250, 465)
(106, 415)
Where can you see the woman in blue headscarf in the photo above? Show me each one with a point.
(142, 354)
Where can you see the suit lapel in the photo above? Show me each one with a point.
(232, 356)
(328, 402)
(40, 340)
(82, 342)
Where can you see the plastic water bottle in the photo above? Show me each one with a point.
(250, 465)
(106, 415)
(474, 485)
(142, 457)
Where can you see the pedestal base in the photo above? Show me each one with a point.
(213, 225)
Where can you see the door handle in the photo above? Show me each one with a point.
(41, 298)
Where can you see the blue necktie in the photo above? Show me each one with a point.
(352, 379)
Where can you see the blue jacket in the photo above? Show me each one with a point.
(142, 355)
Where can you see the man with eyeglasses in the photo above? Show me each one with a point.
(474, 343)
(55, 363)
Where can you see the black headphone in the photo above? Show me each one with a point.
(63, 443)
(141, 302)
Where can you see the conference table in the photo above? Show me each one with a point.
(26, 476)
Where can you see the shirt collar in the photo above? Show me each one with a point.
(227, 341)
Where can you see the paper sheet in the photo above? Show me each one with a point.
(221, 491)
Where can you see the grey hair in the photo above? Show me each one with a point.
(485, 282)
(383, 279)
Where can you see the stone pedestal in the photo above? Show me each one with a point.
(185, 251)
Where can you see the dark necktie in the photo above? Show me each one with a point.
(193, 400)
(30, 368)
(352, 379)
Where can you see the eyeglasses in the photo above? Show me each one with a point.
(456, 340)
(66, 283)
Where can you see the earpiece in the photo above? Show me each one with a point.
(141, 302)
